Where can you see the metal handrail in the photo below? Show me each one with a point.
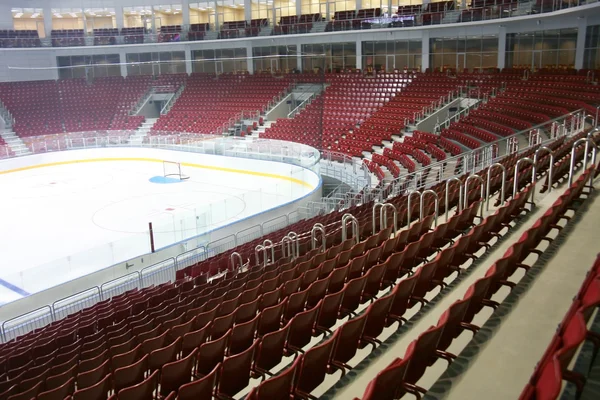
(489, 177)
(460, 194)
(550, 169)
(469, 179)
(383, 217)
(318, 227)
(516, 178)
(409, 208)
(355, 228)
(437, 205)
(587, 141)
(236, 256)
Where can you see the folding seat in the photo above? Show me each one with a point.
(270, 299)
(352, 295)
(313, 368)
(476, 293)
(573, 336)
(549, 384)
(130, 374)
(201, 318)
(338, 277)
(98, 391)
(234, 374)
(280, 387)
(373, 283)
(210, 354)
(402, 298)
(389, 384)
(302, 329)
(141, 391)
(295, 304)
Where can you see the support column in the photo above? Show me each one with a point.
(359, 54)
(501, 47)
(6, 18)
(185, 13)
(249, 59)
(47, 10)
(299, 57)
(123, 60)
(299, 8)
(425, 51)
(358, 4)
(248, 10)
(119, 18)
(188, 60)
(580, 47)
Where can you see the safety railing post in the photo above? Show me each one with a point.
(460, 194)
(376, 207)
(516, 178)
(409, 209)
(383, 216)
(489, 177)
(355, 228)
(588, 141)
(534, 170)
(318, 227)
(422, 207)
(232, 258)
(260, 248)
(466, 197)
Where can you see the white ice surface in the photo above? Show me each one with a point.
(97, 214)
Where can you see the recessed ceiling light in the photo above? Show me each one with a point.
(18, 15)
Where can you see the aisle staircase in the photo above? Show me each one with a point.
(14, 142)
(142, 132)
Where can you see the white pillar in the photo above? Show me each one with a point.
(123, 60)
(248, 10)
(580, 47)
(299, 7)
(119, 18)
(501, 47)
(185, 13)
(188, 60)
(425, 50)
(6, 18)
(299, 57)
(47, 10)
(249, 59)
(359, 54)
(358, 4)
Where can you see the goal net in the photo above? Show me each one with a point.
(172, 169)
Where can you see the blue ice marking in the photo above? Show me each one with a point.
(164, 180)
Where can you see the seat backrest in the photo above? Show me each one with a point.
(377, 316)
(193, 339)
(130, 374)
(450, 320)
(141, 391)
(201, 388)
(270, 318)
(235, 372)
(349, 335)
(242, 336)
(314, 367)
(211, 353)
(221, 325)
(386, 385)
(424, 346)
(176, 373)
(279, 387)
(269, 352)
(549, 383)
(402, 293)
(302, 326)
(60, 392)
(99, 391)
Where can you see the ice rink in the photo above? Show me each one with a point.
(62, 220)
